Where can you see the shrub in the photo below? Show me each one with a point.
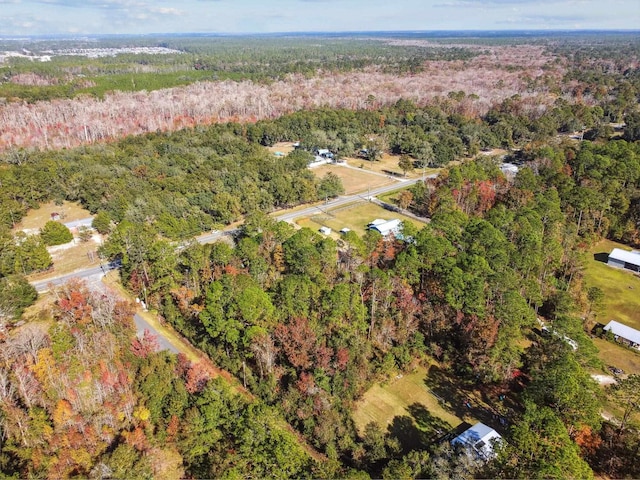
(54, 233)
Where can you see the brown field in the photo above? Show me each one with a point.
(388, 163)
(66, 258)
(354, 181)
(282, 147)
(71, 257)
(355, 216)
(36, 218)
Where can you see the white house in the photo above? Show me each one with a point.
(624, 333)
(509, 169)
(385, 227)
(624, 259)
(325, 230)
(479, 440)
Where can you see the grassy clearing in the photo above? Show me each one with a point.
(71, 257)
(282, 147)
(36, 218)
(406, 401)
(355, 216)
(387, 164)
(354, 181)
(621, 288)
(618, 356)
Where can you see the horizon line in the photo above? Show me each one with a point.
(328, 33)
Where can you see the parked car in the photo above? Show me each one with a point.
(615, 370)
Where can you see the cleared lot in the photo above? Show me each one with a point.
(354, 180)
(355, 216)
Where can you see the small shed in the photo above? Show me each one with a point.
(478, 440)
(325, 230)
(624, 259)
(624, 333)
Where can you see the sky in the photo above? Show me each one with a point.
(76, 17)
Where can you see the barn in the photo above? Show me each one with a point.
(385, 227)
(625, 259)
(623, 333)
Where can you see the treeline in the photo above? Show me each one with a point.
(487, 79)
(309, 324)
(263, 59)
(187, 181)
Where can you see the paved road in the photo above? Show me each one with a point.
(216, 235)
(163, 343)
(99, 271)
(95, 274)
(346, 199)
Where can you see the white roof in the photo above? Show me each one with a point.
(509, 168)
(624, 331)
(377, 221)
(386, 227)
(625, 256)
(480, 438)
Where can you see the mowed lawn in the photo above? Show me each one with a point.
(354, 180)
(401, 398)
(621, 357)
(621, 288)
(282, 147)
(35, 219)
(387, 164)
(355, 217)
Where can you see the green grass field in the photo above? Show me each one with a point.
(621, 288)
(406, 406)
(355, 216)
(613, 354)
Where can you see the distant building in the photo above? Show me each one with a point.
(624, 334)
(478, 440)
(509, 169)
(325, 230)
(324, 153)
(386, 227)
(624, 259)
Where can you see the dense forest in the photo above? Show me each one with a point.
(72, 100)
(307, 323)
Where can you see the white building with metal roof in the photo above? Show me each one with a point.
(479, 440)
(624, 333)
(385, 227)
(624, 259)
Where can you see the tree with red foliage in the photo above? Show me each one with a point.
(143, 347)
(298, 340)
(197, 377)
